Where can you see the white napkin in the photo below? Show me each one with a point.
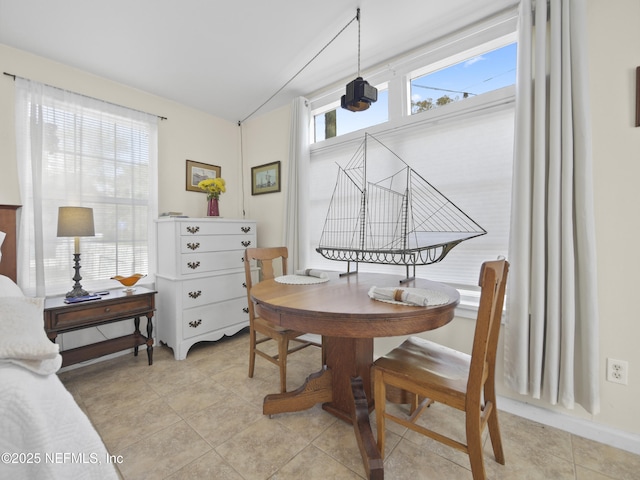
(411, 296)
(310, 272)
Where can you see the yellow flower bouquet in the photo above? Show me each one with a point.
(213, 187)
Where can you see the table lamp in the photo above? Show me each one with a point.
(76, 222)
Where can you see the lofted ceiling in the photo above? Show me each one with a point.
(227, 58)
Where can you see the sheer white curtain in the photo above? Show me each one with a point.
(551, 334)
(294, 219)
(74, 150)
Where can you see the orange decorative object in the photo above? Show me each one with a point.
(129, 281)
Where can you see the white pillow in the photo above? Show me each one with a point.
(2, 235)
(8, 288)
(22, 334)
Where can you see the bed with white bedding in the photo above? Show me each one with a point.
(43, 432)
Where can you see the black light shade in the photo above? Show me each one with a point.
(360, 95)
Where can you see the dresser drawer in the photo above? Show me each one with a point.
(201, 291)
(193, 228)
(210, 262)
(210, 243)
(200, 320)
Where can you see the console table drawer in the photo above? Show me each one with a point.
(97, 312)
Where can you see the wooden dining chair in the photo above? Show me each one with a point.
(268, 331)
(435, 373)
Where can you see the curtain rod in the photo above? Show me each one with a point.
(86, 96)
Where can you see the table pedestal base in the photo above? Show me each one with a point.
(316, 389)
(346, 358)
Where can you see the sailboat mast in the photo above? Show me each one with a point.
(405, 212)
(363, 199)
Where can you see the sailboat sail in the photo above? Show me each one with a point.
(382, 211)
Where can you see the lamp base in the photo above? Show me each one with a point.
(77, 291)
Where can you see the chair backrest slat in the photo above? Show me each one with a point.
(493, 279)
(265, 257)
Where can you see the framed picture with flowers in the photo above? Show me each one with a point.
(196, 172)
(265, 178)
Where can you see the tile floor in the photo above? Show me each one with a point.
(202, 418)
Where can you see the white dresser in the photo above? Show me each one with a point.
(200, 280)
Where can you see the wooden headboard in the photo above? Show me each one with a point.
(8, 264)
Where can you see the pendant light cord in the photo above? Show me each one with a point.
(357, 17)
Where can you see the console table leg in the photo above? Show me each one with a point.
(150, 339)
(136, 323)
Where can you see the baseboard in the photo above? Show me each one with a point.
(578, 426)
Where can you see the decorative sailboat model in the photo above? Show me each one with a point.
(382, 211)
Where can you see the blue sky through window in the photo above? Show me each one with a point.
(483, 73)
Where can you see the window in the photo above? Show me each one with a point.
(78, 151)
(338, 121)
(464, 150)
(469, 78)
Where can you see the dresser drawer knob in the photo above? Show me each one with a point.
(245, 309)
(246, 243)
(193, 246)
(107, 310)
(195, 295)
(245, 229)
(193, 265)
(195, 324)
(195, 229)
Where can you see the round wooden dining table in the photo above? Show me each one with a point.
(348, 319)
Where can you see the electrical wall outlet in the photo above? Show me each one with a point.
(617, 371)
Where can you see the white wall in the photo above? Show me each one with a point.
(186, 134)
(614, 46)
(265, 139)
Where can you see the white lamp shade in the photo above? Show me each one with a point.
(75, 222)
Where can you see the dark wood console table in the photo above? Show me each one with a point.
(60, 317)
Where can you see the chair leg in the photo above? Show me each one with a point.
(252, 351)
(380, 399)
(283, 349)
(496, 440)
(494, 426)
(474, 445)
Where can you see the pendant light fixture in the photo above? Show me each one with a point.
(360, 95)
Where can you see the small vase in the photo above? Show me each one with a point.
(212, 208)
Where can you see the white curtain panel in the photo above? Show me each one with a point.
(70, 152)
(551, 333)
(294, 222)
(30, 125)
